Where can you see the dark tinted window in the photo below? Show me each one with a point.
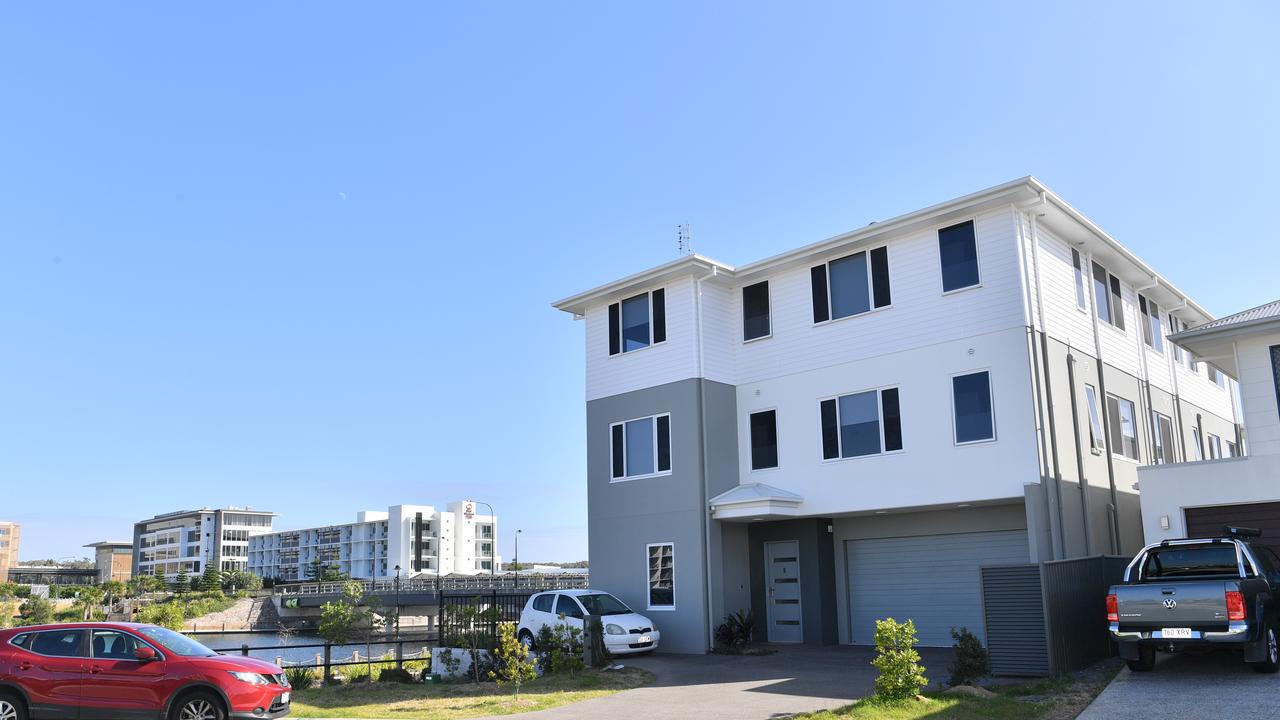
(664, 443)
(1101, 298)
(542, 603)
(603, 604)
(21, 640)
(958, 249)
(892, 420)
(567, 607)
(818, 280)
(859, 424)
(619, 461)
(113, 645)
(764, 439)
(659, 298)
(849, 292)
(1191, 561)
(755, 311)
(615, 330)
(1117, 303)
(972, 397)
(880, 277)
(830, 430)
(59, 643)
(635, 323)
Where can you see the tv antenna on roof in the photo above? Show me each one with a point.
(684, 243)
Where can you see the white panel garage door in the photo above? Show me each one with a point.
(932, 579)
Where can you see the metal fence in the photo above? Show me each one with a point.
(494, 607)
(419, 648)
(1048, 618)
(511, 582)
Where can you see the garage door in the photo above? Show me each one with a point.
(1208, 521)
(933, 580)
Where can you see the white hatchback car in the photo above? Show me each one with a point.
(625, 632)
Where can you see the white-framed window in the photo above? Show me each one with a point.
(958, 255)
(763, 427)
(640, 447)
(1152, 333)
(1197, 444)
(1233, 450)
(1215, 447)
(1077, 267)
(1180, 356)
(1097, 442)
(1107, 298)
(972, 408)
(1123, 420)
(851, 285)
(1162, 426)
(638, 322)
(661, 565)
(861, 424)
(1215, 375)
(756, 322)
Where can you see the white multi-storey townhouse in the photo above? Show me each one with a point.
(416, 538)
(189, 539)
(849, 430)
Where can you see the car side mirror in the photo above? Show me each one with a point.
(145, 654)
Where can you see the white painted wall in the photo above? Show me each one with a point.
(1167, 490)
(1258, 393)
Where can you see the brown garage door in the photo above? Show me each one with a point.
(1208, 521)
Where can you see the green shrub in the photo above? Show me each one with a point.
(971, 660)
(164, 614)
(395, 675)
(737, 629)
(512, 666)
(901, 675)
(300, 678)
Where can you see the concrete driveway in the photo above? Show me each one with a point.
(1189, 686)
(797, 678)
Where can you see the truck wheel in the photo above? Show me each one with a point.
(1146, 661)
(1272, 663)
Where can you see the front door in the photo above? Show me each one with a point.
(782, 583)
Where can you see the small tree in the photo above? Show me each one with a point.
(36, 611)
(472, 623)
(211, 579)
(901, 675)
(338, 618)
(514, 667)
(971, 659)
(113, 590)
(182, 582)
(89, 598)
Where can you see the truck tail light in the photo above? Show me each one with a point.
(1113, 609)
(1235, 605)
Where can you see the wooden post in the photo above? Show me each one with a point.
(244, 650)
(279, 662)
(400, 655)
(328, 666)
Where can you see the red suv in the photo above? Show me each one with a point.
(119, 671)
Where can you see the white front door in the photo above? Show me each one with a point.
(782, 584)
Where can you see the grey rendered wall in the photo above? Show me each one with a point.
(624, 517)
(817, 575)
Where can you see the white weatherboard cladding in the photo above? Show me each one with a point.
(931, 469)
(658, 364)
(1064, 319)
(1258, 394)
(1196, 388)
(919, 316)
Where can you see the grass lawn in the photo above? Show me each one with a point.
(1060, 698)
(447, 701)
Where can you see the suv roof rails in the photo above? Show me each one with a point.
(1241, 532)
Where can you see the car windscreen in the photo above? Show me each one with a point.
(177, 643)
(603, 604)
(1191, 561)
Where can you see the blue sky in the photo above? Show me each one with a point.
(300, 256)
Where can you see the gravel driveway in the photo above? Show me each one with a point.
(1217, 685)
(716, 687)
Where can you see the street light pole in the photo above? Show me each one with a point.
(397, 602)
(493, 544)
(516, 559)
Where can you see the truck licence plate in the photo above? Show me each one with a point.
(1168, 633)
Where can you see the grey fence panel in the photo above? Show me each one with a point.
(1014, 614)
(1075, 592)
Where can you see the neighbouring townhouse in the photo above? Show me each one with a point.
(1198, 498)
(416, 539)
(849, 430)
(113, 560)
(10, 543)
(189, 539)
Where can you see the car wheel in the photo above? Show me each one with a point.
(198, 706)
(1146, 661)
(526, 639)
(1272, 663)
(11, 708)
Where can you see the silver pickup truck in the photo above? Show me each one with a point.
(1208, 592)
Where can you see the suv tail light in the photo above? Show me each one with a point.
(1113, 609)
(1235, 605)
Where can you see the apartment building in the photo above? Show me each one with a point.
(417, 538)
(10, 542)
(187, 540)
(847, 431)
(113, 560)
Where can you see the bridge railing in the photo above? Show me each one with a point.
(509, 581)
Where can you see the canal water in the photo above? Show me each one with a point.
(288, 650)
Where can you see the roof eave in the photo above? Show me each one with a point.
(686, 265)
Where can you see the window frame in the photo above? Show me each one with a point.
(1098, 443)
(159, 654)
(977, 257)
(622, 341)
(871, 290)
(648, 572)
(1078, 262)
(1152, 328)
(1115, 316)
(879, 419)
(654, 432)
(1161, 455)
(85, 650)
(768, 312)
(777, 444)
(1215, 375)
(1213, 443)
(991, 395)
(1119, 428)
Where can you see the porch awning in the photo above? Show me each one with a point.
(755, 500)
